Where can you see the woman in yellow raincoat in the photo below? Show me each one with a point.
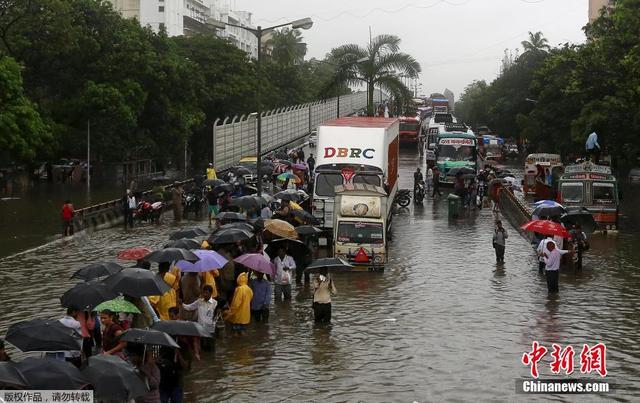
(239, 313)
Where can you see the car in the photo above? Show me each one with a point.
(634, 175)
(313, 138)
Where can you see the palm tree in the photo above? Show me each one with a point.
(380, 63)
(536, 43)
(287, 47)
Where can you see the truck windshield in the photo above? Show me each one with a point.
(367, 179)
(408, 127)
(572, 192)
(603, 193)
(451, 153)
(326, 183)
(361, 232)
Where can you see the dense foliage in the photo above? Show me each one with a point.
(64, 63)
(554, 97)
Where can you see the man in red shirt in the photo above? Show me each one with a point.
(67, 218)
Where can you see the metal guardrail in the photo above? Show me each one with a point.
(235, 137)
(514, 208)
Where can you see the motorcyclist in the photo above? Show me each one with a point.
(417, 178)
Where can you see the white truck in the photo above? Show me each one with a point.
(360, 225)
(353, 150)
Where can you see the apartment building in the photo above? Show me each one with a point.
(595, 6)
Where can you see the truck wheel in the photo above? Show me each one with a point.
(404, 201)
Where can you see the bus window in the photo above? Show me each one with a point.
(572, 192)
(603, 193)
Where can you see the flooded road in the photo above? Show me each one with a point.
(441, 323)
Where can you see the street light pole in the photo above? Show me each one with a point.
(259, 107)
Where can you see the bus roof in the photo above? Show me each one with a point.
(457, 134)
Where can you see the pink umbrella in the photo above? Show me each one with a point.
(301, 167)
(257, 262)
(209, 260)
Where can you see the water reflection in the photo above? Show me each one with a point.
(441, 323)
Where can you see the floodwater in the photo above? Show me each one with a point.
(442, 323)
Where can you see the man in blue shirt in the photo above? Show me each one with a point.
(261, 298)
(592, 146)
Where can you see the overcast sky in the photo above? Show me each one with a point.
(455, 41)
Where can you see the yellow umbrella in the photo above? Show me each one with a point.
(280, 228)
(294, 205)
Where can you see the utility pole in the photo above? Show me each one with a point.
(259, 121)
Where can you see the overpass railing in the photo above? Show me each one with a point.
(235, 137)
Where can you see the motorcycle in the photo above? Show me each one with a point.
(148, 212)
(418, 194)
(403, 198)
(192, 203)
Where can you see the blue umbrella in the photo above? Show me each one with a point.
(209, 260)
(547, 203)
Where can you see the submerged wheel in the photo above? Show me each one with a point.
(404, 201)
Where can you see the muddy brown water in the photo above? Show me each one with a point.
(440, 324)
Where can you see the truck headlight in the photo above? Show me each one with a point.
(378, 259)
(341, 256)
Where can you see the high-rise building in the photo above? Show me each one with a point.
(189, 17)
(595, 6)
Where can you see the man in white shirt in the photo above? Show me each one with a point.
(206, 307)
(282, 279)
(70, 321)
(552, 257)
(542, 246)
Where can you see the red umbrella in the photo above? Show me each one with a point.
(133, 253)
(546, 227)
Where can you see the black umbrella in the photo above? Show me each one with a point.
(579, 216)
(114, 378)
(187, 233)
(230, 235)
(294, 247)
(290, 195)
(461, 170)
(249, 202)
(181, 328)
(308, 230)
(136, 282)
(304, 216)
(230, 216)
(236, 225)
(239, 171)
(184, 243)
(43, 335)
(549, 211)
(96, 270)
(170, 255)
(227, 187)
(148, 336)
(51, 374)
(329, 263)
(213, 182)
(86, 296)
(11, 377)
(258, 223)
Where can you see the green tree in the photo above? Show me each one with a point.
(384, 66)
(536, 43)
(22, 131)
(287, 47)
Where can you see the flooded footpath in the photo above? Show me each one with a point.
(442, 323)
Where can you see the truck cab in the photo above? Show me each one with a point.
(361, 226)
